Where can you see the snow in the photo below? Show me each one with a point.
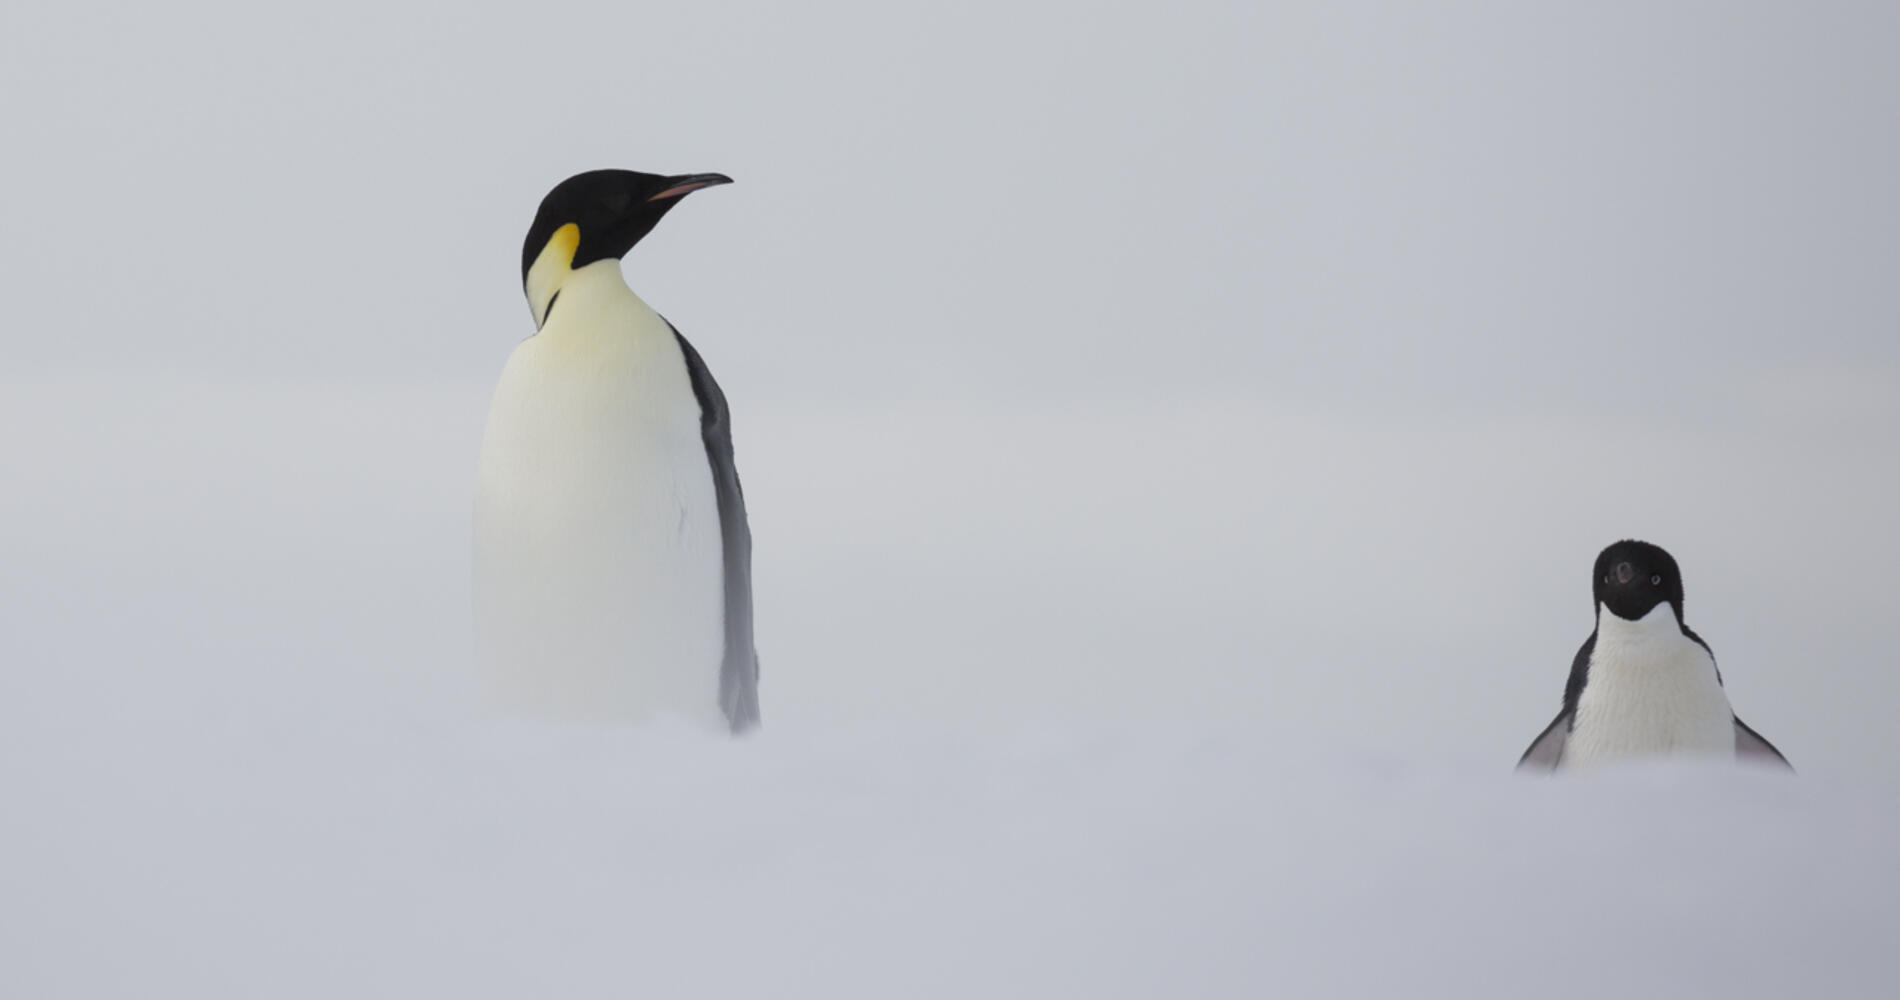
(1175, 437)
(411, 853)
(1026, 738)
(238, 755)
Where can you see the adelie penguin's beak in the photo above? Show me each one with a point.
(686, 184)
(1624, 572)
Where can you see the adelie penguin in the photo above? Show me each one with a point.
(1644, 684)
(612, 562)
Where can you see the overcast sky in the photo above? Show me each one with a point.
(1207, 361)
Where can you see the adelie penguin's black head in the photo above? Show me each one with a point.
(1633, 577)
(598, 215)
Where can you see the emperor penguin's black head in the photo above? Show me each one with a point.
(1633, 577)
(598, 215)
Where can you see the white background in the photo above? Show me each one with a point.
(1123, 376)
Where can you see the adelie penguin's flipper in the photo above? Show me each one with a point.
(1753, 748)
(1548, 748)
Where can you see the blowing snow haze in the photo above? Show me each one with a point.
(1173, 442)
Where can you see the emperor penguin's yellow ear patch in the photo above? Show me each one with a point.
(550, 269)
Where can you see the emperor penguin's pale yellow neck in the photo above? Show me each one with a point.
(550, 271)
(553, 272)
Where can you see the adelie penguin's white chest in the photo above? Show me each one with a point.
(598, 579)
(1651, 690)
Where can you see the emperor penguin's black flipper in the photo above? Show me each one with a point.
(739, 669)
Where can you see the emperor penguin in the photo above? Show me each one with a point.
(612, 558)
(1644, 684)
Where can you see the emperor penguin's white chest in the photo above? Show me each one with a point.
(1651, 690)
(598, 563)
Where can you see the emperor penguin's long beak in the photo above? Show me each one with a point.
(688, 183)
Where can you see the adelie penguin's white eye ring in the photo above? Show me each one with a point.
(1655, 581)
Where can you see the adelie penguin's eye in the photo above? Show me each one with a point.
(1655, 581)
